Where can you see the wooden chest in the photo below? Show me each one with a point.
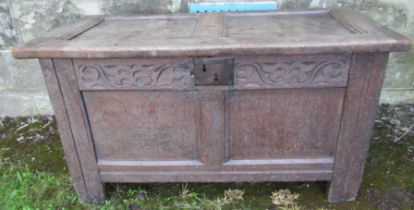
(223, 97)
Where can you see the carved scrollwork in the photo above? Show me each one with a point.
(292, 73)
(134, 76)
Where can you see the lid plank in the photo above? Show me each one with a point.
(214, 34)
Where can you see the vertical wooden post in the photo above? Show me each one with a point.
(210, 131)
(359, 112)
(66, 137)
(79, 125)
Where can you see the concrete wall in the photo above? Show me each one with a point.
(22, 89)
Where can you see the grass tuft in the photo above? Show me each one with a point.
(21, 188)
(285, 200)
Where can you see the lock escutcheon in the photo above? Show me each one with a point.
(213, 71)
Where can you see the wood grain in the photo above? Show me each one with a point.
(221, 34)
(283, 123)
(230, 165)
(360, 106)
(65, 132)
(210, 25)
(143, 125)
(211, 126)
(273, 72)
(134, 74)
(250, 72)
(76, 31)
(218, 176)
(80, 127)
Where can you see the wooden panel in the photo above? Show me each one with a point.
(142, 28)
(281, 25)
(80, 127)
(155, 125)
(77, 30)
(134, 74)
(231, 165)
(292, 71)
(280, 164)
(218, 34)
(210, 25)
(211, 126)
(361, 102)
(283, 123)
(250, 73)
(217, 176)
(65, 132)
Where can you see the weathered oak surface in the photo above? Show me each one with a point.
(65, 132)
(360, 107)
(272, 96)
(80, 127)
(143, 125)
(217, 34)
(300, 123)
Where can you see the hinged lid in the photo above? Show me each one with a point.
(216, 34)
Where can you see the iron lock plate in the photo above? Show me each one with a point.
(213, 71)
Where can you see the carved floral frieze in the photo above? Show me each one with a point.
(250, 73)
(292, 72)
(134, 75)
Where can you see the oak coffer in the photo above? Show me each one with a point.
(216, 97)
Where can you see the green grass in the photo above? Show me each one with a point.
(33, 175)
(21, 188)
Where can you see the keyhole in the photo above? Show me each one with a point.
(216, 78)
(204, 68)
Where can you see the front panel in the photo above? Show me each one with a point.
(280, 114)
(286, 123)
(143, 125)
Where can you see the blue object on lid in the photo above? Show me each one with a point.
(231, 6)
